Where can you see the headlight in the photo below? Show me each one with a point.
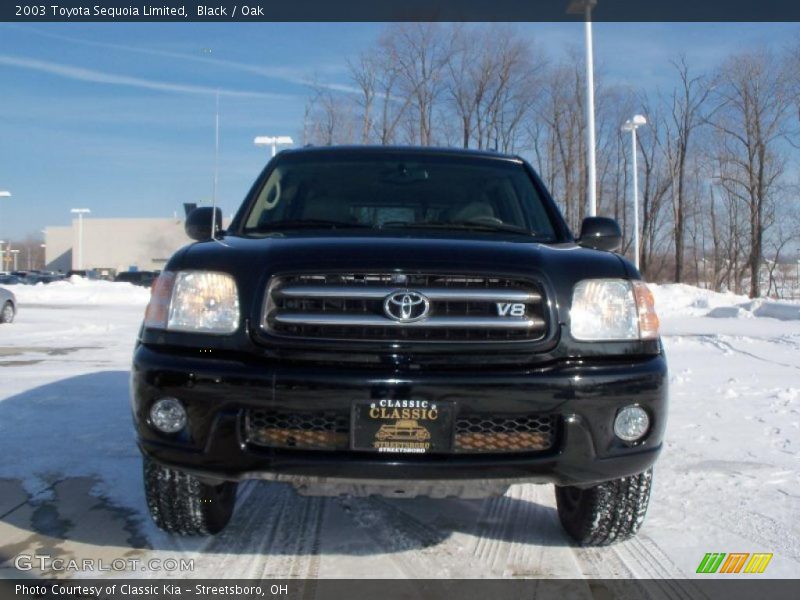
(196, 301)
(613, 309)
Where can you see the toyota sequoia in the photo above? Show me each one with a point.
(400, 321)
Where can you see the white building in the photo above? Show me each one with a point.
(114, 244)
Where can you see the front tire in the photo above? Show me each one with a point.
(7, 313)
(610, 512)
(180, 503)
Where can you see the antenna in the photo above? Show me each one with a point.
(216, 170)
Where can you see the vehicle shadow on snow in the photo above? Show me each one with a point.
(72, 442)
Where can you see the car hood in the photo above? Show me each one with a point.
(252, 256)
(252, 261)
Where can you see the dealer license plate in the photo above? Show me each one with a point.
(402, 426)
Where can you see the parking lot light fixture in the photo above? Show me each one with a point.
(274, 141)
(584, 7)
(80, 212)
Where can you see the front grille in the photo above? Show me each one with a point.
(504, 434)
(474, 434)
(351, 306)
(304, 431)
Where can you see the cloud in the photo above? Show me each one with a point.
(82, 74)
(287, 74)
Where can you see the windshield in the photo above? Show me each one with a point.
(400, 192)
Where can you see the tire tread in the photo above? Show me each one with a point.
(610, 512)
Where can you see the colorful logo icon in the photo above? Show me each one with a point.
(735, 562)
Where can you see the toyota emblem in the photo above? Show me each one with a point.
(406, 307)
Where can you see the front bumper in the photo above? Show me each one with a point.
(217, 391)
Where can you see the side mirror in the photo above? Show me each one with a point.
(600, 233)
(198, 223)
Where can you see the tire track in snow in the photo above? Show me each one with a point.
(417, 549)
(654, 564)
(602, 563)
(494, 519)
(505, 538)
(726, 346)
(290, 549)
(274, 533)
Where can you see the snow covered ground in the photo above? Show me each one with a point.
(728, 480)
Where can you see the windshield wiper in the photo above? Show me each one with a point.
(306, 224)
(468, 225)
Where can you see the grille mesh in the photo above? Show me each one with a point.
(307, 431)
(504, 434)
(330, 431)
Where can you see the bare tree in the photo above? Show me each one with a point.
(688, 100)
(420, 53)
(656, 184)
(330, 118)
(364, 72)
(753, 106)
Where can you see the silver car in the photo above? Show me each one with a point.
(8, 306)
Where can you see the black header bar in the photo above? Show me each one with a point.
(744, 587)
(398, 10)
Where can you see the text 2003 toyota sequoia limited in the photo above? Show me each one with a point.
(403, 321)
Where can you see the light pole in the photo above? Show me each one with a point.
(584, 7)
(3, 194)
(632, 125)
(798, 276)
(80, 212)
(265, 140)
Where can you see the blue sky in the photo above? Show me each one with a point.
(120, 117)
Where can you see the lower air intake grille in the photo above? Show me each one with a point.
(474, 434)
(504, 434)
(304, 431)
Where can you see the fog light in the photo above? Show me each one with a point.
(631, 423)
(168, 415)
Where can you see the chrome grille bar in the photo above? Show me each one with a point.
(436, 294)
(351, 306)
(359, 320)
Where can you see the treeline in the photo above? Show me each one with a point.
(718, 159)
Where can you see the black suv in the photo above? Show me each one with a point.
(140, 278)
(401, 321)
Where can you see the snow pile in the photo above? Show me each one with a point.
(785, 311)
(79, 291)
(680, 300)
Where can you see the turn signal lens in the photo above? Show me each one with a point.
(646, 307)
(157, 313)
